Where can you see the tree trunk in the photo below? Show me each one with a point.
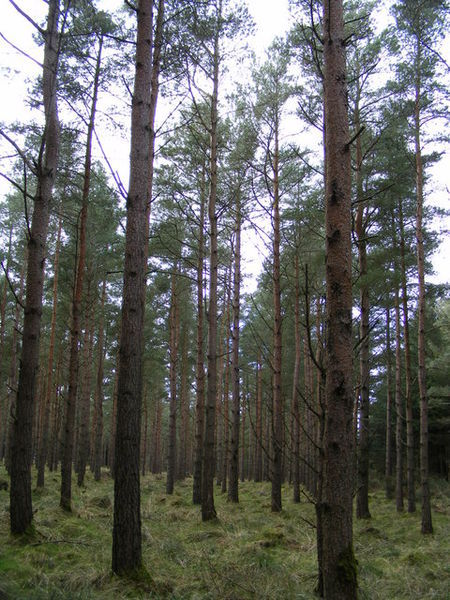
(85, 396)
(12, 378)
(144, 435)
(208, 510)
(338, 564)
(97, 421)
(295, 390)
(157, 451)
(233, 487)
(410, 483)
(4, 416)
(226, 409)
(362, 497)
(20, 492)
(259, 419)
(200, 367)
(427, 525)
(43, 448)
(55, 421)
(277, 398)
(174, 334)
(126, 548)
(243, 452)
(222, 356)
(398, 409)
(389, 486)
(113, 428)
(80, 260)
(184, 405)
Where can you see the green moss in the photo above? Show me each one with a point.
(248, 553)
(348, 567)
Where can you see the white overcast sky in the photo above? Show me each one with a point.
(271, 18)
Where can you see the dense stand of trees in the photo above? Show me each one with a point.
(128, 341)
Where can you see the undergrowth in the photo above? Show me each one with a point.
(248, 552)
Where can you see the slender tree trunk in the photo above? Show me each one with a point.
(200, 367)
(154, 92)
(126, 548)
(427, 525)
(259, 419)
(389, 486)
(338, 561)
(267, 442)
(21, 511)
(277, 399)
(233, 487)
(319, 494)
(112, 441)
(4, 416)
(243, 448)
(174, 334)
(43, 449)
(12, 379)
(319, 424)
(80, 260)
(85, 396)
(97, 424)
(184, 405)
(398, 409)
(55, 418)
(362, 497)
(208, 509)
(295, 390)
(410, 483)
(5, 297)
(309, 417)
(218, 440)
(157, 450)
(144, 435)
(226, 409)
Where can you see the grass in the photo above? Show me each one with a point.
(247, 553)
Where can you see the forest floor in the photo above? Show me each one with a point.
(248, 552)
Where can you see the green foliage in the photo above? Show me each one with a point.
(248, 552)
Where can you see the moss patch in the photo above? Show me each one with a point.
(248, 553)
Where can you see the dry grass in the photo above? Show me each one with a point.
(247, 553)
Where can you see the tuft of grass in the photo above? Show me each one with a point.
(247, 553)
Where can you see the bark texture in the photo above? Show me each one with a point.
(20, 492)
(398, 409)
(277, 398)
(43, 447)
(69, 429)
(126, 548)
(338, 560)
(410, 483)
(362, 498)
(427, 525)
(208, 509)
(97, 419)
(233, 491)
(174, 329)
(389, 485)
(200, 366)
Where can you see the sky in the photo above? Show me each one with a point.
(271, 19)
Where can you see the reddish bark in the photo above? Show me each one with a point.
(43, 448)
(97, 419)
(338, 567)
